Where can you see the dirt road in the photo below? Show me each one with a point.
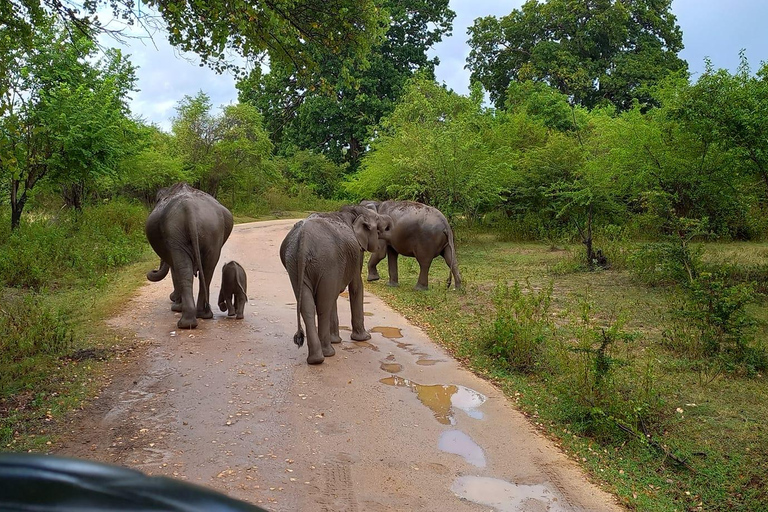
(393, 424)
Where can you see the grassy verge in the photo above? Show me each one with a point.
(587, 356)
(61, 277)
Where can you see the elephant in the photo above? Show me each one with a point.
(187, 229)
(233, 283)
(323, 255)
(420, 231)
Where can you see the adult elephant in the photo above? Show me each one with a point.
(187, 229)
(420, 231)
(323, 254)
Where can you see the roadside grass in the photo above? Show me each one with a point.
(634, 413)
(61, 277)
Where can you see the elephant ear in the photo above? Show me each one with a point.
(362, 229)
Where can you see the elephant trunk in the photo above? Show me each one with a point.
(160, 273)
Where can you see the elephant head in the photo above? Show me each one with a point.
(370, 227)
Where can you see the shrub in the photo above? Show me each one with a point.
(517, 337)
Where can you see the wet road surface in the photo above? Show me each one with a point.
(391, 424)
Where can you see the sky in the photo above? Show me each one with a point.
(717, 29)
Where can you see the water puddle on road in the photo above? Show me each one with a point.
(365, 344)
(389, 365)
(459, 443)
(388, 332)
(428, 362)
(506, 496)
(367, 313)
(345, 328)
(442, 399)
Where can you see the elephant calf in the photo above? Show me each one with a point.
(233, 284)
(418, 230)
(323, 254)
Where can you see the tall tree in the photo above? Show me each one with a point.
(595, 51)
(335, 117)
(217, 148)
(63, 115)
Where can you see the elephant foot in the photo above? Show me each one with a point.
(176, 307)
(315, 358)
(361, 336)
(232, 313)
(329, 351)
(393, 284)
(335, 338)
(239, 316)
(185, 323)
(373, 277)
(421, 287)
(206, 315)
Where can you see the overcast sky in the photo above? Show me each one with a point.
(717, 29)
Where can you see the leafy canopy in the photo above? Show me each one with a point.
(596, 51)
(334, 116)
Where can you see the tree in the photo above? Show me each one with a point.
(595, 51)
(62, 115)
(730, 111)
(299, 32)
(335, 117)
(217, 148)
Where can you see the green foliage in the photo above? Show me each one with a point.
(303, 33)
(228, 150)
(595, 52)
(64, 117)
(313, 171)
(518, 335)
(334, 117)
(48, 253)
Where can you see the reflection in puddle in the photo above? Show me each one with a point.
(505, 496)
(442, 399)
(459, 443)
(365, 344)
(392, 367)
(388, 332)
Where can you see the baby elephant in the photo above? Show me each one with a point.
(233, 282)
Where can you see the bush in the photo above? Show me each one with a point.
(46, 252)
(517, 337)
(29, 329)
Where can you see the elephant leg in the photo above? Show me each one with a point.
(335, 338)
(392, 264)
(308, 316)
(240, 301)
(376, 257)
(176, 294)
(230, 306)
(182, 274)
(356, 304)
(423, 282)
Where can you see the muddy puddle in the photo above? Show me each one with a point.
(506, 496)
(442, 399)
(388, 332)
(459, 443)
(389, 365)
(428, 362)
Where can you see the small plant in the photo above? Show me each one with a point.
(517, 336)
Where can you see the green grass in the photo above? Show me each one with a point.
(713, 454)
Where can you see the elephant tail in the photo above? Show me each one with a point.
(452, 260)
(197, 260)
(298, 338)
(160, 273)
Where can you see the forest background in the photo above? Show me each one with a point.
(621, 203)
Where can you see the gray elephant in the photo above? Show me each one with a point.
(234, 283)
(323, 254)
(420, 231)
(187, 229)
